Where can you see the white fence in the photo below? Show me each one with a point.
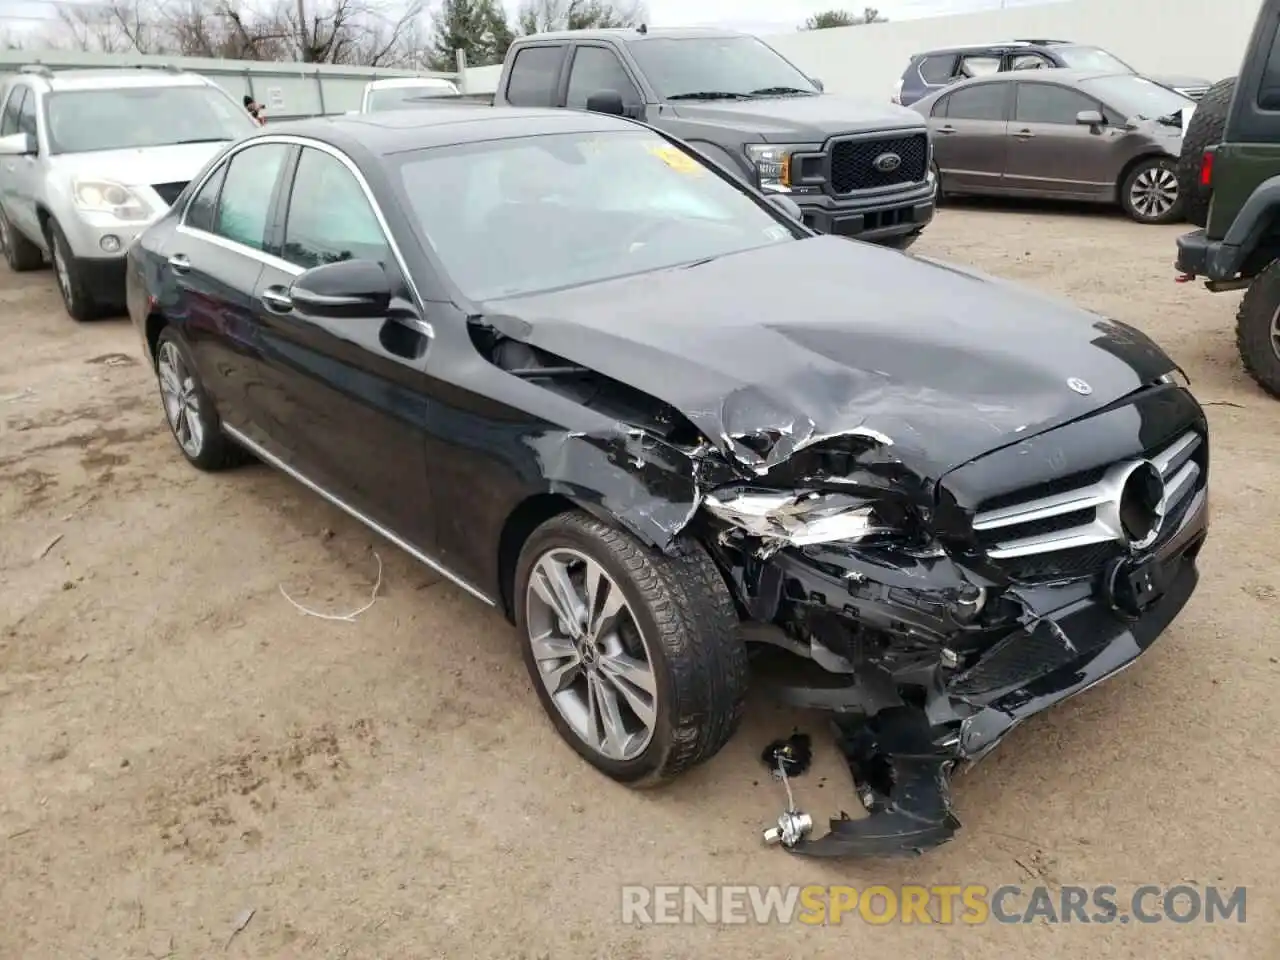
(1200, 38)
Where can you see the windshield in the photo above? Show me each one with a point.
(81, 121)
(397, 98)
(1091, 58)
(717, 65)
(1137, 96)
(532, 214)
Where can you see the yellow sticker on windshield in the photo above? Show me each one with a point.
(677, 160)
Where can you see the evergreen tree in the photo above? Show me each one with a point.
(477, 26)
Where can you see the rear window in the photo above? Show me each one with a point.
(534, 74)
(938, 69)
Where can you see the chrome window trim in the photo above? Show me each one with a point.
(373, 525)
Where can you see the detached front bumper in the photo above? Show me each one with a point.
(902, 757)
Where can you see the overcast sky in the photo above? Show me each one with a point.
(759, 16)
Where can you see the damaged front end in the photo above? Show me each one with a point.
(931, 626)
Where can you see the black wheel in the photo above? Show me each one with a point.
(75, 294)
(1150, 192)
(1258, 329)
(1208, 124)
(19, 252)
(188, 408)
(634, 654)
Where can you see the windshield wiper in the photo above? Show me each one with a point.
(710, 95)
(780, 91)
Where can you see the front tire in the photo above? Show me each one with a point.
(634, 654)
(1258, 329)
(19, 252)
(76, 297)
(189, 410)
(1150, 193)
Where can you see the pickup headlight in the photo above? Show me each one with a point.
(773, 163)
(804, 517)
(107, 196)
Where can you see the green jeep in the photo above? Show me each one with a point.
(1229, 174)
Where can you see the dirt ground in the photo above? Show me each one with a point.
(178, 744)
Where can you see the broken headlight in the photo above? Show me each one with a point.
(806, 517)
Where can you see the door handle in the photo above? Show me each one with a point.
(277, 299)
(1024, 135)
(180, 263)
(947, 129)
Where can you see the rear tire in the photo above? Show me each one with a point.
(1258, 329)
(1208, 124)
(19, 252)
(677, 622)
(188, 408)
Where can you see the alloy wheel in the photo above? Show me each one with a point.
(591, 654)
(1154, 192)
(4, 234)
(63, 271)
(181, 401)
(1275, 333)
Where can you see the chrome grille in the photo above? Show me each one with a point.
(1072, 531)
(853, 162)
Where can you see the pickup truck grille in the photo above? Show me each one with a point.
(1071, 528)
(853, 162)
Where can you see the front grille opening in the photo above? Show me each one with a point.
(1074, 563)
(1047, 489)
(1036, 528)
(853, 162)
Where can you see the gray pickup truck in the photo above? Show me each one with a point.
(855, 168)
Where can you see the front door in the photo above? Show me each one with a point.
(346, 396)
(969, 128)
(1051, 153)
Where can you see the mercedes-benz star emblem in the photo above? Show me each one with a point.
(887, 162)
(1143, 501)
(1080, 386)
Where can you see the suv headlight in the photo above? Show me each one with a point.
(804, 517)
(773, 163)
(107, 196)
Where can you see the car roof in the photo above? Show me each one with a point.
(398, 131)
(633, 34)
(114, 79)
(1000, 45)
(1068, 78)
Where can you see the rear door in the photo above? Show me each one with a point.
(1051, 154)
(214, 258)
(344, 399)
(969, 144)
(9, 165)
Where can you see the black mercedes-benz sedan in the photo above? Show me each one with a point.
(682, 441)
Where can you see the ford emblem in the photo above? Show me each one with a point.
(1080, 386)
(887, 162)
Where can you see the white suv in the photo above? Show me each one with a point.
(90, 158)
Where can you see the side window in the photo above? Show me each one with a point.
(27, 114)
(596, 69)
(1048, 103)
(979, 65)
(534, 74)
(245, 203)
(937, 70)
(982, 102)
(13, 105)
(1269, 88)
(940, 107)
(330, 218)
(1028, 61)
(203, 208)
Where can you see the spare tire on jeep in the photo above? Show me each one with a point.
(1206, 128)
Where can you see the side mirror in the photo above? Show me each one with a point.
(18, 145)
(1089, 118)
(606, 101)
(787, 206)
(817, 83)
(345, 290)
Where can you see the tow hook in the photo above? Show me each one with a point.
(1184, 278)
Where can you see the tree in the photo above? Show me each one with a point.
(541, 16)
(842, 18)
(477, 26)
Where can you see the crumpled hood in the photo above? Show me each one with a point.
(799, 341)
(801, 119)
